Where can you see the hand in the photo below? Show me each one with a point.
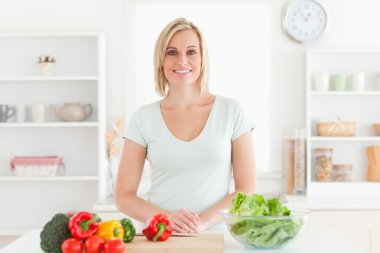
(184, 221)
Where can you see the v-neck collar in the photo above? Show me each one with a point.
(204, 127)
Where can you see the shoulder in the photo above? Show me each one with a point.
(145, 110)
(145, 115)
(229, 104)
(148, 107)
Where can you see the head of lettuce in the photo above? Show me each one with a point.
(259, 223)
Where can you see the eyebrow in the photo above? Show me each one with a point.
(176, 48)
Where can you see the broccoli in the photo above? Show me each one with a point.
(54, 233)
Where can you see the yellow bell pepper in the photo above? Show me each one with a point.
(110, 230)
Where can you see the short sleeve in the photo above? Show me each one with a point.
(133, 130)
(242, 122)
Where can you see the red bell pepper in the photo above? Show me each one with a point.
(159, 228)
(82, 225)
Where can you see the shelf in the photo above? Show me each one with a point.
(47, 35)
(355, 138)
(345, 93)
(49, 124)
(362, 106)
(48, 78)
(77, 77)
(57, 178)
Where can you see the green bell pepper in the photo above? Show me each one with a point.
(129, 229)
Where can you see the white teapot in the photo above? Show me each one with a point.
(73, 111)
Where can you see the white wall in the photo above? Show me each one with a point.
(355, 25)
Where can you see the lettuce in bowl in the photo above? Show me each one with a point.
(259, 223)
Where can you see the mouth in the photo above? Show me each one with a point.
(182, 71)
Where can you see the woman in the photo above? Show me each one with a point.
(191, 139)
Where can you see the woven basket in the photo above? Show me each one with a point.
(336, 128)
(43, 166)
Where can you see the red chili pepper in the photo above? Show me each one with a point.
(159, 228)
(82, 225)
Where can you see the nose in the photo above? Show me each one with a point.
(182, 59)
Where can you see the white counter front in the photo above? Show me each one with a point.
(334, 203)
(310, 241)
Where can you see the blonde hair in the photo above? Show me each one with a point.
(180, 24)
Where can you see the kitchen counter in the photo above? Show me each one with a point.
(333, 203)
(296, 201)
(310, 241)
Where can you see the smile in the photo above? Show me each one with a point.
(182, 71)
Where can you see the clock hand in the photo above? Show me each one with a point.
(308, 16)
(302, 15)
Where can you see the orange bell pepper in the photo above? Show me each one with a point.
(110, 230)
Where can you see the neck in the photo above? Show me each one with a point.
(181, 97)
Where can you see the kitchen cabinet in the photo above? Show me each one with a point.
(357, 217)
(332, 103)
(362, 227)
(77, 76)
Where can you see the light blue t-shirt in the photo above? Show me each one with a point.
(194, 174)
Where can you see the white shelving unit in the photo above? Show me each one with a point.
(48, 78)
(50, 179)
(77, 76)
(49, 124)
(361, 106)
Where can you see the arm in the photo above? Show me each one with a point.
(127, 201)
(127, 183)
(244, 171)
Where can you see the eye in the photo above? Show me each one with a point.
(171, 52)
(191, 52)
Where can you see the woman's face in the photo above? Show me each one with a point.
(182, 62)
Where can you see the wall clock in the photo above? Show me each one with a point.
(305, 20)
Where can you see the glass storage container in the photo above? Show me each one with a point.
(300, 161)
(323, 166)
(342, 172)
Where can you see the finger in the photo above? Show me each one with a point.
(184, 220)
(190, 216)
(183, 223)
(180, 227)
(196, 216)
(177, 229)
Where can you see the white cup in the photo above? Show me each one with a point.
(20, 113)
(358, 81)
(321, 81)
(38, 112)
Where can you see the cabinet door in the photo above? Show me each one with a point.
(363, 227)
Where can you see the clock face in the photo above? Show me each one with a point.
(305, 20)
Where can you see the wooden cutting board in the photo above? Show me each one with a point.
(203, 243)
